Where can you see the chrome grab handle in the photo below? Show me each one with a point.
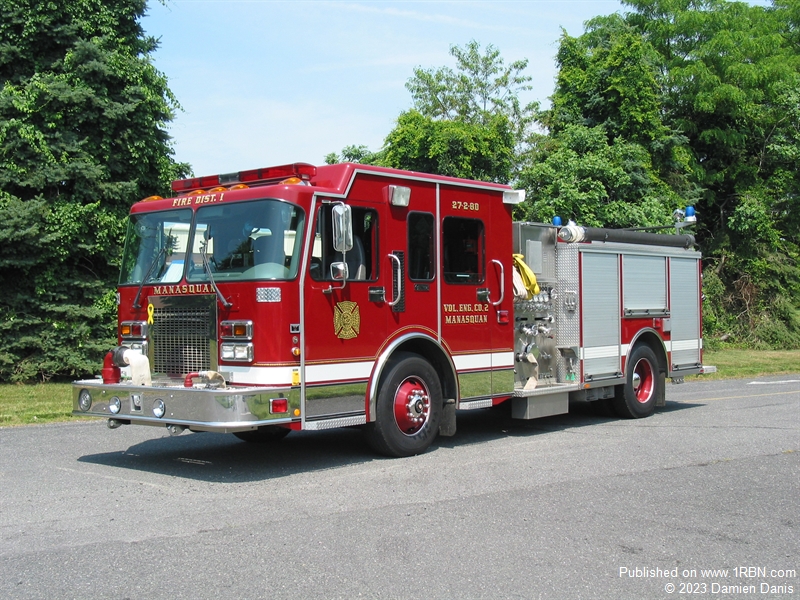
(399, 280)
(502, 282)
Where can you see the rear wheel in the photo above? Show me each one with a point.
(263, 435)
(642, 385)
(408, 408)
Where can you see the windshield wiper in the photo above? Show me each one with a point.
(161, 251)
(207, 269)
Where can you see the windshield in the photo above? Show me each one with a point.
(155, 247)
(259, 239)
(247, 240)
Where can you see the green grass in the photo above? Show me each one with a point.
(41, 403)
(52, 402)
(737, 363)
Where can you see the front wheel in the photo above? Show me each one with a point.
(642, 385)
(408, 408)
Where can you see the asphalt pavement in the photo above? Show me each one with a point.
(699, 499)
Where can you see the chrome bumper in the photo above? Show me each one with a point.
(222, 410)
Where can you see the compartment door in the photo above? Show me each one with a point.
(601, 315)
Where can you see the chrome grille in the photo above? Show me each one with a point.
(183, 337)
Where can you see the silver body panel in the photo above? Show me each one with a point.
(601, 318)
(685, 316)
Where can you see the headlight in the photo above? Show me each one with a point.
(114, 405)
(237, 352)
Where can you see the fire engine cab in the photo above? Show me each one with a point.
(302, 298)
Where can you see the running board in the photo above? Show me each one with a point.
(546, 390)
(545, 401)
(321, 424)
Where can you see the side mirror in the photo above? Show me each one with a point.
(339, 271)
(342, 228)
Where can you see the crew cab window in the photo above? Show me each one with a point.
(420, 246)
(463, 246)
(361, 260)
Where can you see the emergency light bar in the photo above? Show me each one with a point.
(301, 171)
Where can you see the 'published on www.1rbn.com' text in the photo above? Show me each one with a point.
(733, 582)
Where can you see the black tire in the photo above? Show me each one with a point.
(263, 435)
(637, 398)
(408, 408)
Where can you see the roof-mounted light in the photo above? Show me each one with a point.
(302, 172)
(195, 183)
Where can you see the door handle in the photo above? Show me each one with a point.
(502, 282)
(399, 280)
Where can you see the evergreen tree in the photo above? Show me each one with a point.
(83, 115)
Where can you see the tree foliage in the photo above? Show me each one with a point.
(708, 91)
(609, 158)
(83, 114)
(480, 88)
(581, 175)
(465, 122)
(454, 148)
(355, 154)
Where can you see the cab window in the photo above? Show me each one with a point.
(420, 247)
(463, 247)
(361, 260)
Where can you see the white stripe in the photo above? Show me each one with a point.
(351, 370)
(502, 359)
(314, 373)
(600, 352)
(685, 345)
(466, 362)
(259, 375)
(339, 371)
(497, 360)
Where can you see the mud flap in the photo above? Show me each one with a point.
(447, 426)
(661, 399)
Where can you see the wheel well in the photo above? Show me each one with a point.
(438, 359)
(651, 339)
(428, 349)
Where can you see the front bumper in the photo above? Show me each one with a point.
(225, 410)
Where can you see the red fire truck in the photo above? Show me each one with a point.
(299, 297)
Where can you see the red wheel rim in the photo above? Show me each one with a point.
(412, 405)
(643, 380)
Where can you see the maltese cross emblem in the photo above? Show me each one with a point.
(346, 320)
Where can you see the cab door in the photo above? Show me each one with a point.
(476, 305)
(344, 325)
(411, 238)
